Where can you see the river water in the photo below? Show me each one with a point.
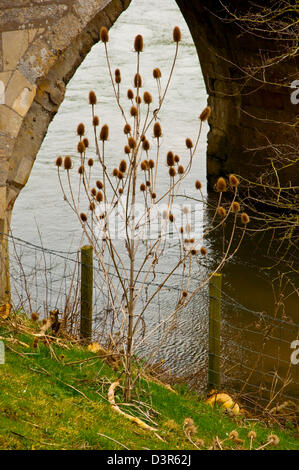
(246, 282)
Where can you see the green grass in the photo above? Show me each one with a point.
(47, 404)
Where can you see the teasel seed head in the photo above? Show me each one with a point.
(236, 207)
(99, 184)
(157, 73)
(234, 435)
(154, 195)
(83, 217)
(192, 240)
(148, 183)
(132, 142)
(115, 172)
(138, 43)
(189, 143)
(177, 36)
(86, 142)
(127, 150)
(92, 206)
(221, 185)
(151, 164)
(193, 251)
(184, 293)
(121, 190)
(137, 80)
(245, 218)
(80, 129)
(198, 184)
(123, 166)
(34, 316)
(120, 175)
(99, 196)
(67, 163)
(172, 172)
(176, 159)
(93, 192)
(233, 181)
(104, 134)
(252, 435)
(130, 94)
(203, 251)
(144, 165)
(181, 170)
(171, 217)
(138, 99)
(142, 187)
(117, 76)
(127, 129)
(181, 230)
(147, 98)
(170, 158)
(81, 147)
(205, 114)
(221, 211)
(157, 130)
(95, 121)
(146, 145)
(133, 111)
(104, 36)
(90, 162)
(81, 170)
(92, 98)
(58, 162)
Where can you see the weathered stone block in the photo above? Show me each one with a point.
(10, 121)
(20, 93)
(14, 45)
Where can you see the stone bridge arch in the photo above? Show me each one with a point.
(43, 42)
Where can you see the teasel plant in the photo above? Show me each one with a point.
(129, 263)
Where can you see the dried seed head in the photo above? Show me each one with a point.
(95, 121)
(99, 184)
(184, 293)
(104, 36)
(170, 158)
(245, 218)
(221, 185)
(115, 172)
(236, 207)
(133, 111)
(138, 99)
(58, 161)
(146, 145)
(86, 142)
(205, 114)
(203, 251)
(92, 98)
(90, 162)
(151, 164)
(120, 175)
(171, 217)
(81, 147)
(67, 163)
(192, 240)
(132, 142)
(93, 192)
(34, 316)
(142, 187)
(99, 196)
(81, 170)
(193, 252)
(123, 166)
(130, 94)
(137, 80)
(147, 97)
(80, 129)
(148, 183)
(177, 36)
(233, 181)
(221, 211)
(121, 190)
(189, 143)
(172, 172)
(127, 129)
(104, 134)
(127, 149)
(252, 435)
(154, 195)
(157, 73)
(144, 165)
(138, 43)
(92, 206)
(142, 138)
(83, 217)
(234, 435)
(181, 170)
(157, 130)
(188, 422)
(176, 159)
(117, 76)
(198, 184)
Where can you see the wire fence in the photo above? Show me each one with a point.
(258, 363)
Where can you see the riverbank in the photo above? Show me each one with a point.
(54, 396)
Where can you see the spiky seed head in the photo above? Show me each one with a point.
(99, 184)
(127, 129)
(236, 207)
(127, 150)
(86, 142)
(137, 80)
(80, 129)
(95, 121)
(170, 158)
(151, 164)
(92, 206)
(142, 138)
(123, 166)
(172, 172)
(138, 43)
(221, 185)
(171, 217)
(221, 211)
(93, 192)
(130, 94)
(157, 130)
(120, 175)
(132, 142)
(117, 76)
(181, 170)
(90, 162)
(203, 251)
(121, 190)
(133, 111)
(104, 134)
(205, 114)
(81, 147)
(193, 251)
(142, 187)
(99, 196)
(138, 99)
(117, 72)
(181, 230)
(233, 181)
(81, 170)
(157, 73)
(192, 240)
(92, 98)
(176, 159)
(233, 435)
(189, 143)
(115, 172)
(177, 36)
(34, 316)
(198, 184)
(252, 435)
(245, 218)
(67, 163)
(58, 162)
(144, 165)
(104, 36)
(146, 145)
(154, 195)
(184, 293)
(83, 217)
(148, 183)
(147, 97)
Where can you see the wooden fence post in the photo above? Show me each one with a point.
(86, 292)
(214, 378)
